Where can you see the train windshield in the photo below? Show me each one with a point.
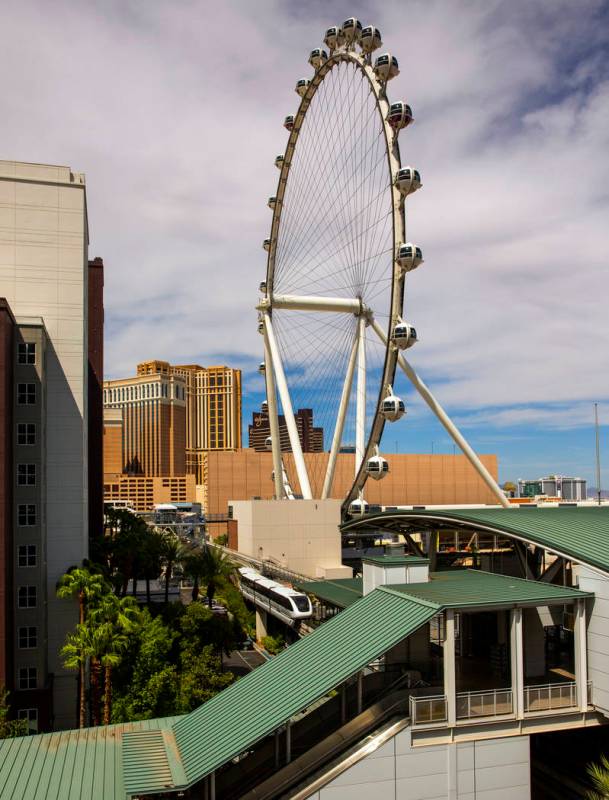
(302, 603)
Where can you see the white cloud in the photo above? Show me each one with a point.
(174, 112)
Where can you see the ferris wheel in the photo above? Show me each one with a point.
(331, 311)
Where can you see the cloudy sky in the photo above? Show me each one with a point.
(173, 109)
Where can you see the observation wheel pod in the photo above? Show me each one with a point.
(370, 39)
(317, 57)
(386, 67)
(408, 180)
(266, 245)
(279, 161)
(301, 86)
(334, 37)
(404, 335)
(377, 467)
(392, 407)
(268, 443)
(262, 288)
(352, 30)
(261, 327)
(272, 202)
(264, 407)
(288, 123)
(409, 256)
(400, 115)
(358, 507)
(262, 368)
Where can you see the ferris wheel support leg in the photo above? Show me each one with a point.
(284, 394)
(340, 420)
(271, 397)
(449, 425)
(360, 408)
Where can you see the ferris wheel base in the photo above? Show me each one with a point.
(301, 536)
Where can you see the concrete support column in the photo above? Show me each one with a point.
(449, 664)
(343, 703)
(581, 655)
(261, 624)
(277, 749)
(360, 691)
(517, 662)
(288, 742)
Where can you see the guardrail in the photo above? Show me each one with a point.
(552, 696)
(428, 710)
(490, 703)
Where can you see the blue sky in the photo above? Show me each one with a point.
(174, 109)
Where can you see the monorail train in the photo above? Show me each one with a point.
(286, 604)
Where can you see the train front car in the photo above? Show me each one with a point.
(280, 601)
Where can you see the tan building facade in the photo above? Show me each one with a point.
(143, 493)
(213, 408)
(153, 411)
(412, 480)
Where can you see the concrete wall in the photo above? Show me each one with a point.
(43, 273)
(301, 535)
(491, 769)
(412, 479)
(598, 636)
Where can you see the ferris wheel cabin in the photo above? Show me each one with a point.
(409, 256)
(393, 408)
(400, 115)
(386, 67)
(370, 39)
(358, 507)
(352, 30)
(288, 122)
(279, 161)
(317, 58)
(301, 86)
(377, 467)
(334, 37)
(266, 245)
(404, 335)
(408, 180)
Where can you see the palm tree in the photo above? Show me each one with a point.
(88, 587)
(195, 565)
(171, 550)
(112, 620)
(75, 653)
(600, 778)
(219, 569)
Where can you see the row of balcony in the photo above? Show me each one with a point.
(549, 697)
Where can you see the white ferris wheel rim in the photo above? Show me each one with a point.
(394, 312)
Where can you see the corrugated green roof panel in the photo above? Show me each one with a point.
(264, 699)
(341, 592)
(83, 764)
(459, 588)
(580, 533)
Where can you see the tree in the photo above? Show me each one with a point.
(111, 621)
(201, 679)
(195, 566)
(600, 779)
(88, 587)
(9, 728)
(219, 569)
(75, 653)
(510, 488)
(171, 551)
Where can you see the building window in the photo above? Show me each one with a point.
(26, 394)
(27, 636)
(26, 555)
(28, 677)
(31, 716)
(26, 433)
(26, 474)
(26, 514)
(26, 353)
(26, 597)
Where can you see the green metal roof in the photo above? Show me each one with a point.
(264, 699)
(580, 533)
(83, 764)
(471, 588)
(341, 592)
(395, 561)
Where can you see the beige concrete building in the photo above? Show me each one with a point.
(213, 408)
(43, 275)
(153, 411)
(412, 479)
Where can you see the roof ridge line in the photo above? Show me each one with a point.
(413, 598)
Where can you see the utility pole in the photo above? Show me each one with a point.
(598, 455)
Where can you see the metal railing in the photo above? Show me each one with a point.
(490, 703)
(552, 696)
(428, 710)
